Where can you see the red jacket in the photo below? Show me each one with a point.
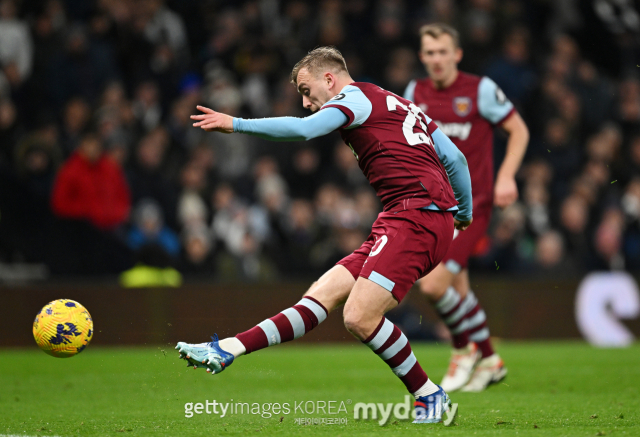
(97, 192)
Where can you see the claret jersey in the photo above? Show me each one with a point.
(390, 138)
(467, 111)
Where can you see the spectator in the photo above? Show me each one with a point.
(37, 160)
(512, 70)
(536, 198)
(146, 106)
(304, 174)
(345, 171)
(192, 210)
(9, 129)
(631, 207)
(608, 240)
(132, 71)
(549, 250)
(198, 253)
(82, 69)
(166, 31)
(16, 48)
(149, 229)
(77, 114)
(147, 175)
(90, 186)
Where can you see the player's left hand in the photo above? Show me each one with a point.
(212, 121)
(505, 192)
(461, 226)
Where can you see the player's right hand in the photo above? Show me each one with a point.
(461, 226)
(212, 121)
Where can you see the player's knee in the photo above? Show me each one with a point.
(354, 321)
(431, 289)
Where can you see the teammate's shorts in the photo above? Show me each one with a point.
(464, 242)
(403, 247)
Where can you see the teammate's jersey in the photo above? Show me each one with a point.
(466, 111)
(390, 138)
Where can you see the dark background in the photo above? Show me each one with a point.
(219, 207)
(251, 221)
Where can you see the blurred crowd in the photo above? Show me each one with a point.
(99, 162)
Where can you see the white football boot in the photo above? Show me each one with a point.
(461, 366)
(489, 371)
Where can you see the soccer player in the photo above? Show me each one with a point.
(467, 108)
(415, 170)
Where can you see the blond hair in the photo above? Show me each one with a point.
(327, 57)
(436, 30)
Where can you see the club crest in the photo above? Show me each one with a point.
(462, 106)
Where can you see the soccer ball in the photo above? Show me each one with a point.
(63, 328)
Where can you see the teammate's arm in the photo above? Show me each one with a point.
(495, 107)
(506, 190)
(273, 129)
(457, 169)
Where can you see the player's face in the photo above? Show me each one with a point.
(440, 57)
(314, 90)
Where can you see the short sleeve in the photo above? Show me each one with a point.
(493, 105)
(353, 103)
(409, 92)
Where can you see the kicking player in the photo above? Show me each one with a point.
(466, 108)
(415, 170)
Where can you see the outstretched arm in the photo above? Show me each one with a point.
(273, 129)
(457, 169)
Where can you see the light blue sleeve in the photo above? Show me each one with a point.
(292, 128)
(410, 90)
(493, 105)
(355, 105)
(457, 169)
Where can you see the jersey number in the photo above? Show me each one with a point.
(413, 114)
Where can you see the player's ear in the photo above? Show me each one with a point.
(421, 56)
(329, 80)
(459, 54)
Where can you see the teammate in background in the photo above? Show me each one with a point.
(467, 108)
(415, 170)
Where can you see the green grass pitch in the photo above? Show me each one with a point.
(553, 389)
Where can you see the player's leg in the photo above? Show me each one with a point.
(490, 368)
(474, 364)
(364, 318)
(440, 288)
(447, 287)
(329, 292)
(408, 244)
(324, 295)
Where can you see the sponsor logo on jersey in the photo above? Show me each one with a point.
(378, 245)
(462, 106)
(339, 97)
(455, 130)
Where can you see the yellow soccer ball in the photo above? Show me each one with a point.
(63, 328)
